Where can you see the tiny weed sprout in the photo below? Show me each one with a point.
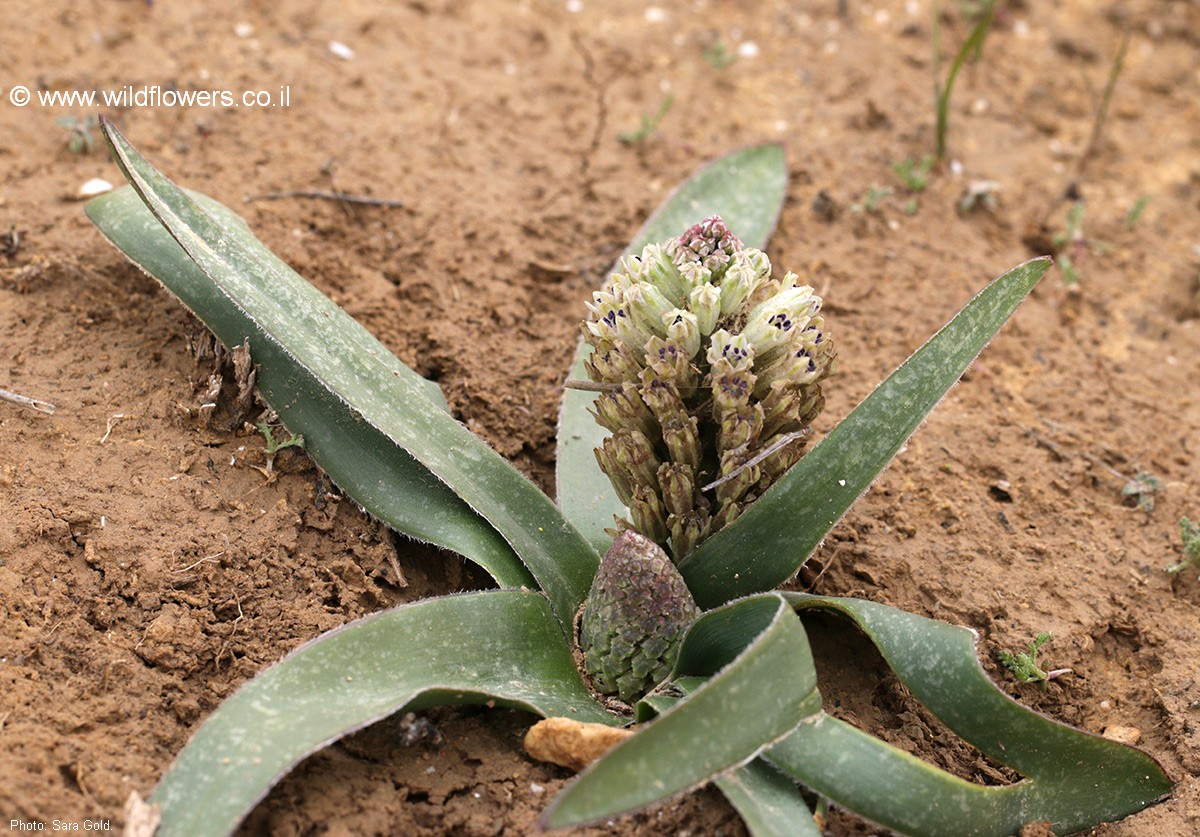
(914, 174)
(1142, 490)
(978, 194)
(1136, 211)
(971, 48)
(1190, 532)
(1024, 664)
(649, 123)
(273, 445)
(874, 200)
(719, 56)
(80, 139)
(686, 463)
(1072, 244)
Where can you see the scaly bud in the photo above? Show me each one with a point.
(634, 619)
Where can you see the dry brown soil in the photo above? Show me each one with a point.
(148, 566)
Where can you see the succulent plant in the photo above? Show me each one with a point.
(739, 706)
(712, 376)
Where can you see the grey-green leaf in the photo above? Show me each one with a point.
(280, 304)
(768, 800)
(747, 188)
(1072, 779)
(766, 689)
(358, 457)
(502, 645)
(772, 539)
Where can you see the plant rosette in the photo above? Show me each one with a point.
(724, 683)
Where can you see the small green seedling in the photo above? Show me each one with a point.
(978, 194)
(1190, 532)
(1072, 244)
(80, 139)
(1135, 211)
(274, 445)
(1142, 488)
(914, 174)
(972, 48)
(1025, 666)
(649, 123)
(876, 195)
(719, 56)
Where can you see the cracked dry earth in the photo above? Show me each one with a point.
(148, 566)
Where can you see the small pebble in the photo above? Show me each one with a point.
(1123, 735)
(341, 50)
(95, 186)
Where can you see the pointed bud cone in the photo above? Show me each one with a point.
(781, 409)
(624, 408)
(728, 513)
(705, 302)
(758, 262)
(683, 329)
(777, 464)
(682, 437)
(694, 276)
(633, 269)
(795, 366)
(731, 392)
(741, 480)
(668, 361)
(602, 325)
(649, 516)
(732, 349)
(740, 428)
(647, 306)
(687, 532)
(737, 285)
(662, 397)
(635, 617)
(664, 274)
(771, 324)
(621, 479)
(677, 484)
(612, 363)
(634, 453)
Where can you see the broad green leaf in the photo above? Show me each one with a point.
(769, 543)
(1072, 779)
(747, 188)
(501, 646)
(358, 457)
(746, 703)
(281, 305)
(769, 801)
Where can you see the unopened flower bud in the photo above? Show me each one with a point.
(705, 302)
(683, 329)
(634, 619)
(678, 485)
(647, 307)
